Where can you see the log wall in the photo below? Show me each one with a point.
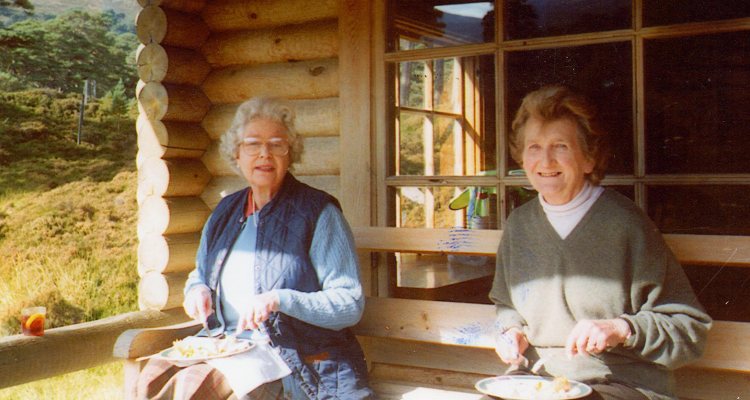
(197, 62)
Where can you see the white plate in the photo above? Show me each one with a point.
(172, 355)
(525, 387)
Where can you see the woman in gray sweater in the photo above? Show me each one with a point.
(584, 278)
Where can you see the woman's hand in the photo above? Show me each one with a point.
(596, 336)
(198, 303)
(510, 346)
(257, 310)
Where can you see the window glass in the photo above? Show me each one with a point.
(698, 104)
(602, 72)
(447, 207)
(703, 210)
(537, 18)
(667, 12)
(415, 24)
(445, 117)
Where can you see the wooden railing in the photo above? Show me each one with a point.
(71, 348)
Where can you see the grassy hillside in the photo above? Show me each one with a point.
(67, 224)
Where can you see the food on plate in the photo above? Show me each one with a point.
(194, 347)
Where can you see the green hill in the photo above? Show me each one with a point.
(67, 211)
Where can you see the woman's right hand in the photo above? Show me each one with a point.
(510, 346)
(198, 303)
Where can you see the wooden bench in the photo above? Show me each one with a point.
(425, 349)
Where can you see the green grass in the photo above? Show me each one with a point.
(101, 383)
(68, 218)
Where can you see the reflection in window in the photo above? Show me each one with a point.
(447, 207)
(698, 104)
(537, 18)
(667, 12)
(702, 210)
(415, 24)
(602, 72)
(445, 114)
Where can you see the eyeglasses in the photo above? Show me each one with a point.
(253, 147)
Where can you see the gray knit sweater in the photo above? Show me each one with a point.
(614, 263)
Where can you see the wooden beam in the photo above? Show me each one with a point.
(158, 291)
(313, 117)
(167, 253)
(320, 157)
(185, 66)
(277, 45)
(302, 80)
(689, 249)
(170, 139)
(170, 215)
(70, 348)
(151, 62)
(184, 30)
(355, 31)
(221, 186)
(185, 103)
(227, 15)
(171, 178)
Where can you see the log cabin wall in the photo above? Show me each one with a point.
(198, 61)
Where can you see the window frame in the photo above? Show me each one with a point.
(387, 183)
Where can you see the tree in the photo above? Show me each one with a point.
(63, 52)
(25, 4)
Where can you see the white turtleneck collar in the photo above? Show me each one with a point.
(565, 217)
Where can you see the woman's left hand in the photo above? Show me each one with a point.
(257, 309)
(596, 336)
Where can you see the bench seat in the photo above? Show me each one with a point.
(433, 350)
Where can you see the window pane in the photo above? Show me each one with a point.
(602, 72)
(447, 207)
(446, 117)
(703, 210)
(526, 19)
(666, 12)
(415, 24)
(698, 104)
(411, 80)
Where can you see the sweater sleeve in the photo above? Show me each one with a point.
(669, 324)
(340, 302)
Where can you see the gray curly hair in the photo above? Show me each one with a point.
(273, 109)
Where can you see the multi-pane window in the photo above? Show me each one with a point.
(671, 80)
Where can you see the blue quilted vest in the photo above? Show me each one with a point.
(325, 364)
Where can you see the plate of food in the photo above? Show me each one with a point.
(195, 349)
(532, 387)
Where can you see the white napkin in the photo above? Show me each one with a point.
(246, 371)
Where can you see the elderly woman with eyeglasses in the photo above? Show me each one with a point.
(276, 259)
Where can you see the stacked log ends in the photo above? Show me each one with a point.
(151, 62)
(151, 25)
(229, 15)
(186, 103)
(159, 291)
(171, 215)
(152, 100)
(157, 139)
(302, 80)
(168, 254)
(172, 177)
